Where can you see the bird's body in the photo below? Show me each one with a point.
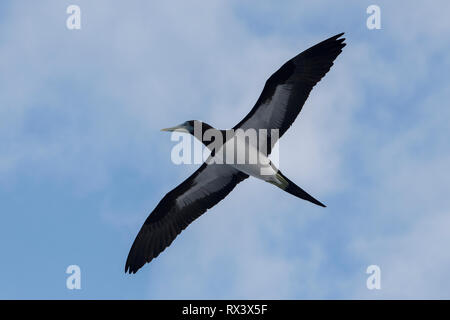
(281, 100)
(257, 164)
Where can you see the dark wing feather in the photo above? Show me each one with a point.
(287, 89)
(201, 191)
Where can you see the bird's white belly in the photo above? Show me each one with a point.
(245, 157)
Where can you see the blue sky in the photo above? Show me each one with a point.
(82, 161)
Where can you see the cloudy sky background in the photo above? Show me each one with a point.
(82, 161)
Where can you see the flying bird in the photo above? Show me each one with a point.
(281, 100)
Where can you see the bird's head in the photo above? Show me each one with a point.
(187, 126)
(196, 128)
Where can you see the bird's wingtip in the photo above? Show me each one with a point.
(129, 268)
(317, 202)
(339, 38)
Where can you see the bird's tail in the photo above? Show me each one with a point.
(287, 185)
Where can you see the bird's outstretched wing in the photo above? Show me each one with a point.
(201, 191)
(287, 89)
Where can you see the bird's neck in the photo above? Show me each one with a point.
(210, 136)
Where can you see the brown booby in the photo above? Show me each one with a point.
(281, 100)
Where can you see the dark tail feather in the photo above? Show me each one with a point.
(292, 188)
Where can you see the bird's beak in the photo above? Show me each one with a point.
(179, 128)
